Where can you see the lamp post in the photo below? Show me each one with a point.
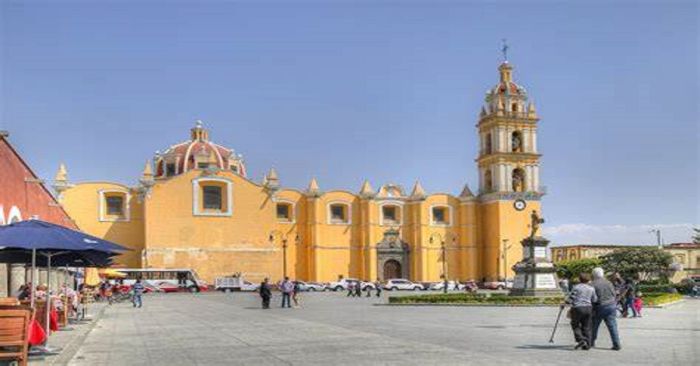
(658, 237)
(504, 254)
(443, 251)
(283, 236)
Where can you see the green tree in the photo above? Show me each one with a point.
(643, 263)
(571, 269)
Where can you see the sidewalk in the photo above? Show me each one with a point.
(68, 341)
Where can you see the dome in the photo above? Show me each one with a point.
(507, 86)
(197, 153)
(506, 97)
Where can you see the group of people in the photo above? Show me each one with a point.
(65, 297)
(355, 289)
(594, 302)
(289, 289)
(108, 291)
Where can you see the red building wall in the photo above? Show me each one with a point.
(22, 195)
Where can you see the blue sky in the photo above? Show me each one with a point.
(385, 91)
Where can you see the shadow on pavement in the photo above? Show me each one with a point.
(547, 347)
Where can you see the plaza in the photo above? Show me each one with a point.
(231, 329)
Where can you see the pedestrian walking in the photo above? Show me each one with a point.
(378, 287)
(265, 293)
(368, 289)
(295, 294)
(638, 304)
(137, 292)
(581, 298)
(351, 289)
(287, 288)
(358, 288)
(605, 308)
(630, 293)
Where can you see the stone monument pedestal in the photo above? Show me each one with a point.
(535, 275)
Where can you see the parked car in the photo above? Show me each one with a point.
(451, 286)
(311, 286)
(247, 286)
(167, 287)
(402, 284)
(497, 285)
(343, 284)
(427, 285)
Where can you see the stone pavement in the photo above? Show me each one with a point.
(231, 329)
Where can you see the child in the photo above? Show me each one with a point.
(637, 304)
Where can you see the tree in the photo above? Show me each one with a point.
(642, 263)
(573, 268)
(696, 237)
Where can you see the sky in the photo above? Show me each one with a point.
(381, 90)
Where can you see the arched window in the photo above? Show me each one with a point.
(518, 180)
(514, 107)
(212, 196)
(517, 141)
(488, 147)
(488, 181)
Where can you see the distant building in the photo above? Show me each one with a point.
(687, 255)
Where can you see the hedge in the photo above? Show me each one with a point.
(655, 299)
(656, 289)
(495, 299)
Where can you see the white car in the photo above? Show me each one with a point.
(311, 286)
(402, 284)
(343, 284)
(451, 286)
(247, 286)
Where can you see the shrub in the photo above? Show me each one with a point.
(655, 299)
(685, 286)
(571, 269)
(496, 299)
(656, 289)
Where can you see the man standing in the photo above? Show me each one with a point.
(265, 293)
(287, 287)
(605, 309)
(137, 288)
(378, 286)
(581, 298)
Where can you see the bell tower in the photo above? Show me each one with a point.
(509, 173)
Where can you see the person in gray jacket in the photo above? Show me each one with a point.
(581, 299)
(605, 309)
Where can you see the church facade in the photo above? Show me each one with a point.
(195, 207)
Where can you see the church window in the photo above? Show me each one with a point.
(488, 181)
(170, 169)
(518, 180)
(339, 213)
(514, 107)
(234, 168)
(391, 214)
(212, 197)
(113, 205)
(517, 141)
(441, 215)
(284, 211)
(488, 147)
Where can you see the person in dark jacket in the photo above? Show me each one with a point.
(630, 292)
(265, 293)
(605, 309)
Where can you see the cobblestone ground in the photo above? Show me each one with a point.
(330, 329)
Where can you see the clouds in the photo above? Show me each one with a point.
(580, 233)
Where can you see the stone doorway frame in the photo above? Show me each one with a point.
(393, 248)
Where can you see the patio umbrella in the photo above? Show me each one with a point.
(54, 242)
(92, 278)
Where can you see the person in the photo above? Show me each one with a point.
(605, 308)
(351, 289)
(619, 285)
(630, 292)
(137, 288)
(368, 288)
(25, 292)
(295, 294)
(109, 292)
(378, 286)
(84, 297)
(287, 288)
(358, 288)
(564, 285)
(581, 298)
(637, 305)
(265, 293)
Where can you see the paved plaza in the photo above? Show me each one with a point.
(330, 329)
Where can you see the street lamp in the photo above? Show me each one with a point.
(283, 236)
(443, 250)
(658, 237)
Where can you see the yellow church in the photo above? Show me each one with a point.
(195, 207)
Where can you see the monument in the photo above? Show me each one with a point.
(535, 275)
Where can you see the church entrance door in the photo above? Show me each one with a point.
(392, 269)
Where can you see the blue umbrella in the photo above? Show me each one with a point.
(53, 242)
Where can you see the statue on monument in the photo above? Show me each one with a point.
(535, 222)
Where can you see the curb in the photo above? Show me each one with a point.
(665, 305)
(71, 349)
(475, 305)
